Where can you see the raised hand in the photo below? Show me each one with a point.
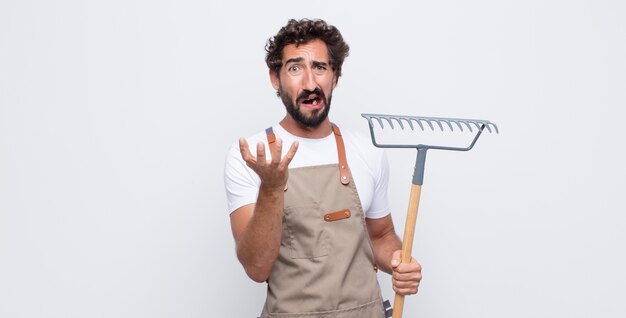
(273, 173)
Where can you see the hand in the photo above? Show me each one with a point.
(405, 277)
(273, 173)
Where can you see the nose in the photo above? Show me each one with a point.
(308, 80)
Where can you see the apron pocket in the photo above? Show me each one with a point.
(306, 231)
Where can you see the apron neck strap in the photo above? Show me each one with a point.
(344, 172)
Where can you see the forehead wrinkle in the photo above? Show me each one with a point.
(306, 51)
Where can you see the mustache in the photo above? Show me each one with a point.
(306, 93)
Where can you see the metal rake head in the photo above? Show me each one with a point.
(432, 122)
(439, 121)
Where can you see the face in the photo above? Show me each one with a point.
(306, 82)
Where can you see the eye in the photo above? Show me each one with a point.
(320, 68)
(293, 68)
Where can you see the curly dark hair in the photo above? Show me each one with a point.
(303, 31)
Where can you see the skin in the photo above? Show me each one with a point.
(305, 67)
(257, 227)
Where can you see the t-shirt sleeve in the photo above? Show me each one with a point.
(241, 183)
(380, 203)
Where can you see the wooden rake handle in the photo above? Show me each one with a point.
(407, 241)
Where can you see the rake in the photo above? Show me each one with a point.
(434, 123)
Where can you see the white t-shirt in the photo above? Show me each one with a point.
(368, 165)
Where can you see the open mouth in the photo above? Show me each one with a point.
(313, 101)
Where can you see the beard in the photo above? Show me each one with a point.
(317, 116)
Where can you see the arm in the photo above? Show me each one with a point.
(384, 240)
(387, 250)
(257, 227)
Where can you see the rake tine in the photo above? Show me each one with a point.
(457, 123)
(389, 121)
(448, 123)
(398, 119)
(477, 125)
(379, 122)
(419, 123)
(439, 123)
(495, 127)
(429, 124)
(468, 125)
(410, 123)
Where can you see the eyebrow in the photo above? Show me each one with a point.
(319, 63)
(300, 59)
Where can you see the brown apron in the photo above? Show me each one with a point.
(325, 266)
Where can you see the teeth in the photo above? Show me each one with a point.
(315, 102)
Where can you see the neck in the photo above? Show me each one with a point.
(297, 129)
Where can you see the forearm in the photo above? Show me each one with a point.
(259, 243)
(384, 246)
(384, 240)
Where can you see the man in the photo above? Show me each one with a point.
(314, 223)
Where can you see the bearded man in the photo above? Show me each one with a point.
(315, 223)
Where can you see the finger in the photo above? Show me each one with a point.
(415, 277)
(411, 267)
(395, 258)
(277, 152)
(260, 154)
(244, 149)
(404, 291)
(405, 285)
(290, 154)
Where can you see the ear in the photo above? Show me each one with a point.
(274, 79)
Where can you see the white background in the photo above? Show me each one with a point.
(115, 117)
